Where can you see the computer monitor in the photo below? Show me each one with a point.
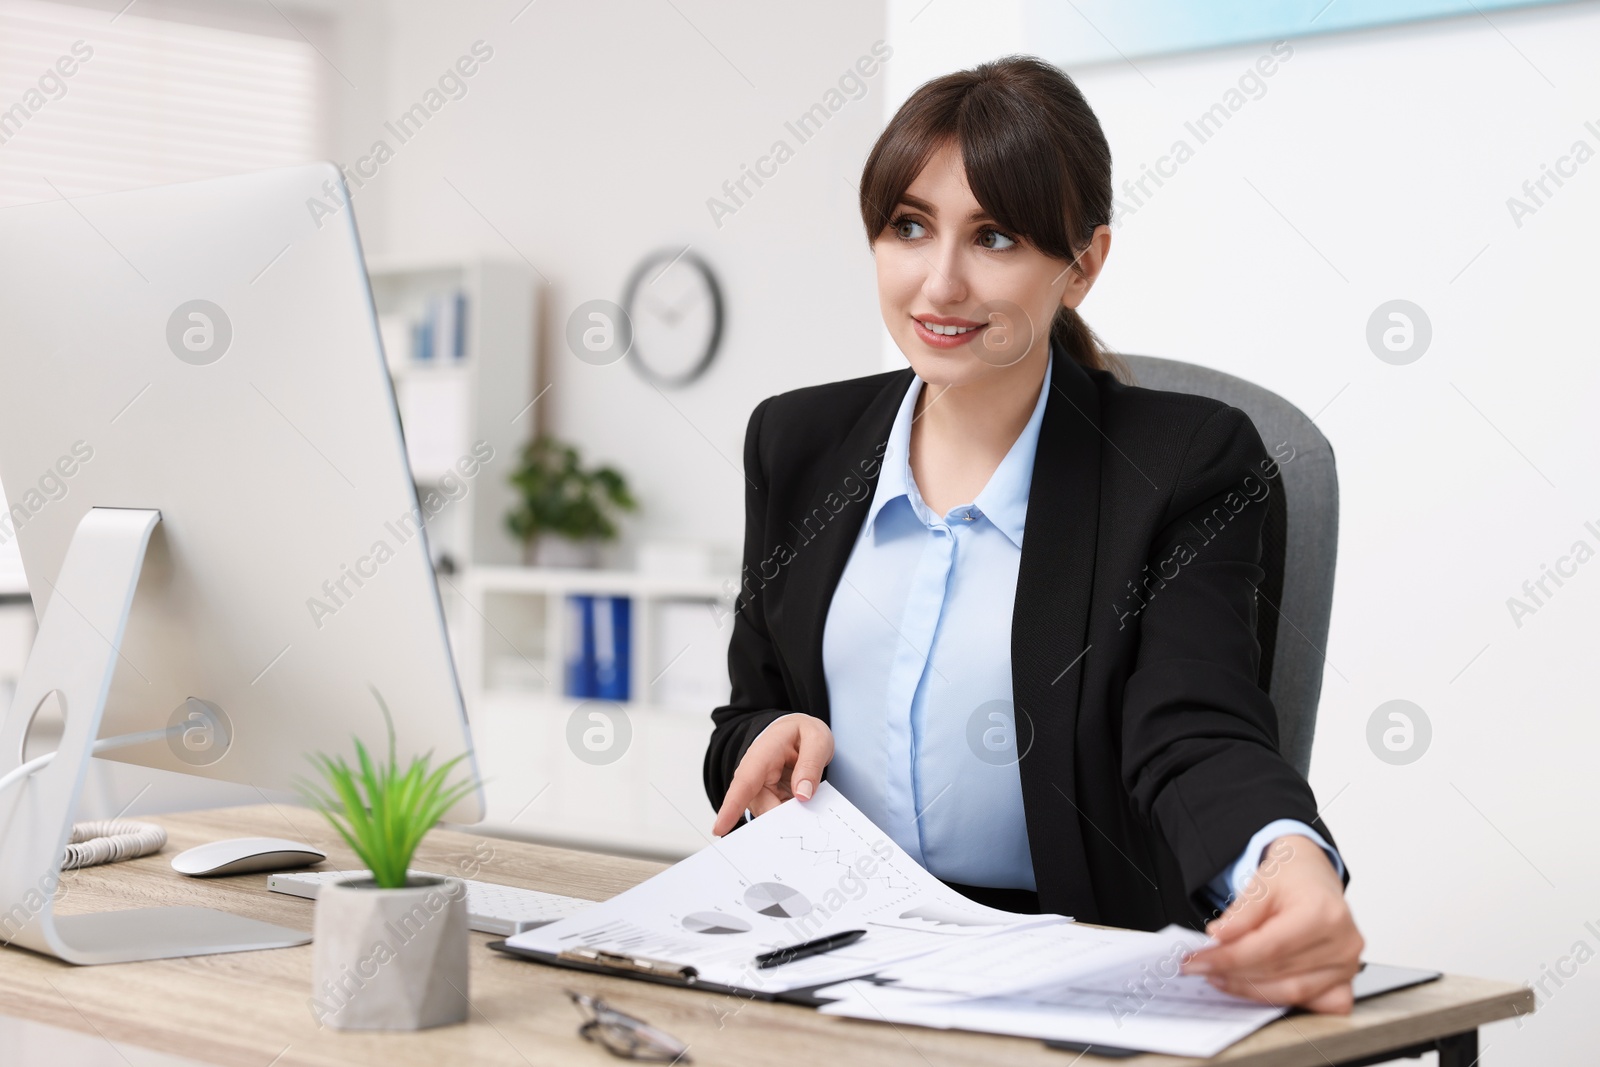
(191, 378)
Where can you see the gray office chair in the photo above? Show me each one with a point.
(1298, 545)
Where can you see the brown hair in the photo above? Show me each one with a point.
(1035, 158)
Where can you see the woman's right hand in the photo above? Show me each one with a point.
(785, 760)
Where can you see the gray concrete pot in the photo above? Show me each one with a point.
(390, 959)
(554, 550)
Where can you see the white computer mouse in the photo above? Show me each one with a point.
(240, 855)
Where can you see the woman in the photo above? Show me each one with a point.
(1068, 722)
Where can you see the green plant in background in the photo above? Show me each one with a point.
(381, 811)
(558, 496)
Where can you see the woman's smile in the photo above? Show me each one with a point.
(945, 331)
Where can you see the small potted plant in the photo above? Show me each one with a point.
(389, 951)
(564, 512)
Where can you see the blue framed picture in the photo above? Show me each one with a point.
(1099, 31)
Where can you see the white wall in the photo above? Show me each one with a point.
(1375, 166)
(591, 138)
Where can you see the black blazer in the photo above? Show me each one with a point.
(1154, 752)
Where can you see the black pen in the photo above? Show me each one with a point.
(778, 957)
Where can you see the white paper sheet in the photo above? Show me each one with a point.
(799, 872)
(1141, 1004)
(1039, 958)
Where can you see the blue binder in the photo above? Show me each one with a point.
(612, 618)
(580, 650)
(599, 641)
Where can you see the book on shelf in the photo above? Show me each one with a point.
(597, 646)
(434, 332)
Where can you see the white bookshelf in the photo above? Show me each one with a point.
(450, 404)
(13, 581)
(510, 651)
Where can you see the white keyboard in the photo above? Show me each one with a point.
(491, 908)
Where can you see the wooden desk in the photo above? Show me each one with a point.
(250, 1009)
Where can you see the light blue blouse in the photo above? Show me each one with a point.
(917, 656)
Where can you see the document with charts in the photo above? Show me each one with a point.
(801, 871)
(808, 869)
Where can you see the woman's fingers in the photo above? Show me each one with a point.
(759, 766)
(786, 759)
(732, 810)
(1283, 945)
(765, 802)
(1337, 999)
(765, 799)
(816, 749)
(1297, 923)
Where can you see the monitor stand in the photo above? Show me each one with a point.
(74, 656)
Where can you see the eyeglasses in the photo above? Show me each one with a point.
(623, 1035)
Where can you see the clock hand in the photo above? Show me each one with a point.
(670, 316)
(692, 294)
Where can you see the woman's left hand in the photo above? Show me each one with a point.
(1289, 938)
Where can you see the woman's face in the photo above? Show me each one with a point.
(962, 298)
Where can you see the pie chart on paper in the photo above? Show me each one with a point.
(714, 922)
(777, 900)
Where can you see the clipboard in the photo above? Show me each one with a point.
(663, 973)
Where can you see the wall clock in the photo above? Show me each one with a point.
(674, 306)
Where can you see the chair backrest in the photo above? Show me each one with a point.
(1298, 545)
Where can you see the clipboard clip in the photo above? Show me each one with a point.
(619, 961)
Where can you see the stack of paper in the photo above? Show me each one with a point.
(1046, 984)
(930, 956)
